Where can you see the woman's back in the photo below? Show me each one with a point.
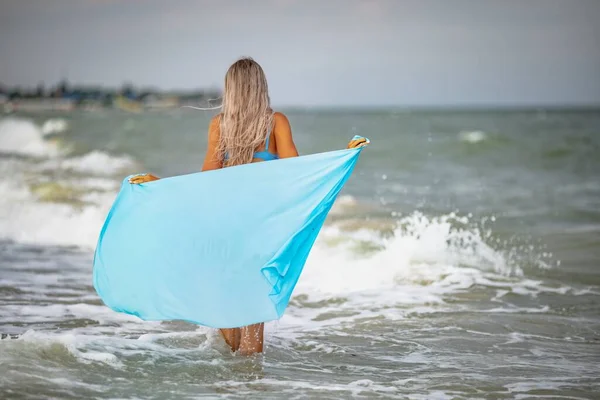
(278, 143)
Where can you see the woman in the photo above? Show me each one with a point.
(246, 131)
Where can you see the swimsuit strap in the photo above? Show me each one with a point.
(268, 137)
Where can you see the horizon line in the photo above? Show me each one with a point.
(445, 107)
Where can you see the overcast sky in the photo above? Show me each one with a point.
(326, 52)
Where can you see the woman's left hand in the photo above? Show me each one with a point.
(136, 179)
(356, 143)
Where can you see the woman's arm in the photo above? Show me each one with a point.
(212, 159)
(283, 137)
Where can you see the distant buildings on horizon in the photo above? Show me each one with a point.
(64, 97)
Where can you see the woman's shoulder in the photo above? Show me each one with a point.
(280, 118)
(216, 119)
(281, 126)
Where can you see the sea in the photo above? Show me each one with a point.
(460, 261)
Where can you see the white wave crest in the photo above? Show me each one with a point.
(421, 251)
(54, 125)
(30, 221)
(95, 162)
(472, 136)
(425, 260)
(343, 204)
(24, 137)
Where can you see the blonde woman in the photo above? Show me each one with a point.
(246, 131)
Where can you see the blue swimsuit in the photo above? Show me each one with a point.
(265, 155)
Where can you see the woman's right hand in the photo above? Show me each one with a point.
(143, 178)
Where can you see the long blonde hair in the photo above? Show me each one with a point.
(246, 115)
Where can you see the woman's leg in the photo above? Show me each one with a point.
(251, 339)
(232, 337)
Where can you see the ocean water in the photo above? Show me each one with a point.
(462, 260)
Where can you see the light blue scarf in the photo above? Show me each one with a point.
(220, 248)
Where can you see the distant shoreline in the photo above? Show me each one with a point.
(64, 97)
